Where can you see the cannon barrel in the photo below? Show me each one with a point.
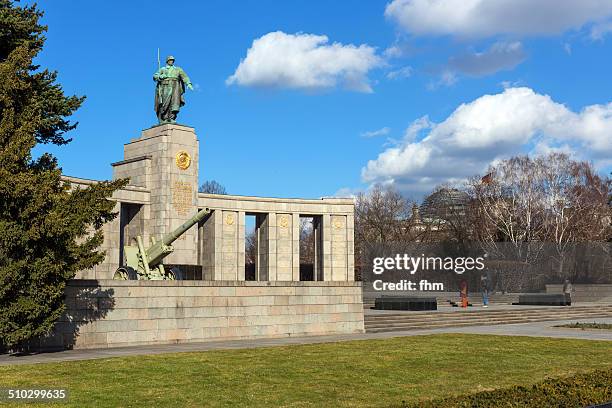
(147, 263)
(160, 249)
(174, 235)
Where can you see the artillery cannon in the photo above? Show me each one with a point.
(146, 264)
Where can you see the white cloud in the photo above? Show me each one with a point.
(492, 127)
(305, 61)
(378, 132)
(401, 48)
(486, 18)
(394, 51)
(416, 127)
(403, 72)
(599, 31)
(511, 84)
(500, 56)
(346, 192)
(545, 147)
(448, 77)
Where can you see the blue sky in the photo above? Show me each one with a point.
(378, 100)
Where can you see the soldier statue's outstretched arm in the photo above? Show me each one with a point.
(185, 79)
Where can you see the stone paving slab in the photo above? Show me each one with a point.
(536, 329)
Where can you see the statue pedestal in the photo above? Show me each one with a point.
(164, 161)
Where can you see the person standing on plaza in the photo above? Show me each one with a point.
(463, 293)
(567, 291)
(484, 287)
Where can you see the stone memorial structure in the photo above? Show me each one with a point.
(162, 165)
(216, 301)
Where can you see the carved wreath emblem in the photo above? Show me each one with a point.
(183, 160)
(229, 219)
(338, 223)
(284, 221)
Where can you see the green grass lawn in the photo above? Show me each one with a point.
(373, 373)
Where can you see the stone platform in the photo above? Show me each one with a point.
(108, 313)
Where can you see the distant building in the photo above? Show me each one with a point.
(440, 216)
(443, 204)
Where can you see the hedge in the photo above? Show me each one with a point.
(580, 390)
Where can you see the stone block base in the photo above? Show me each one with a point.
(108, 313)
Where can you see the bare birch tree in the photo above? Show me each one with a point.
(551, 201)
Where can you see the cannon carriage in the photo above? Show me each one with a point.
(147, 263)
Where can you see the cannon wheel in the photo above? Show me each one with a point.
(174, 274)
(125, 273)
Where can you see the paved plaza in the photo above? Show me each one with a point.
(535, 329)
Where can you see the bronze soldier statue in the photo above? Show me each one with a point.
(171, 82)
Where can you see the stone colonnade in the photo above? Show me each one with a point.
(162, 165)
(277, 233)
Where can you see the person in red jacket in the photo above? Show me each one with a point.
(463, 292)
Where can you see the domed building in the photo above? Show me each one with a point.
(444, 204)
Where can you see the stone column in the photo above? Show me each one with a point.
(271, 233)
(240, 273)
(164, 159)
(350, 247)
(284, 247)
(326, 247)
(339, 248)
(295, 246)
(223, 246)
(337, 245)
(229, 248)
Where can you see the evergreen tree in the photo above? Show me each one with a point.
(49, 230)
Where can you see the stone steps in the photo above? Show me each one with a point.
(461, 324)
(431, 320)
(507, 318)
(486, 312)
(483, 321)
(557, 310)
